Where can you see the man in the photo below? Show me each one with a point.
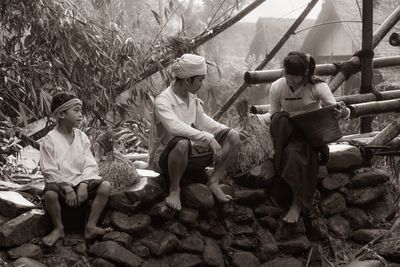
(183, 139)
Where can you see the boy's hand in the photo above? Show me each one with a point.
(71, 198)
(82, 193)
(216, 149)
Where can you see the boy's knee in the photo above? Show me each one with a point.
(51, 196)
(182, 146)
(104, 188)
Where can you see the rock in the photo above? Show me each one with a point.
(130, 224)
(99, 262)
(27, 262)
(242, 230)
(185, 260)
(284, 261)
(153, 263)
(267, 244)
(343, 157)
(112, 251)
(388, 248)
(243, 215)
(192, 243)
(383, 208)
(257, 177)
(322, 172)
(269, 223)
(162, 211)
(25, 250)
(332, 204)
(187, 215)
(285, 231)
(217, 231)
(367, 235)
(357, 218)
(139, 250)
(339, 226)
(245, 242)
(250, 197)
(177, 228)
(362, 196)
(299, 244)
(367, 263)
(13, 204)
(335, 180)
(141, 196)
(80, 249)
(198, 196)
(23, 228)
(264, 210)
(160, 243)
(244, 259)
(364, 177)
(212, 253)
(121, 238)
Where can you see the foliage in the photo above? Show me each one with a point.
(8, 141)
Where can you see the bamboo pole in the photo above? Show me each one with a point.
(394, 39)
(348, 100)
(387, 134)
(267, 76)
(374, 108)
(267, 58)
(377, 37)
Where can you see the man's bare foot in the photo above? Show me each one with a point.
(51, 239)
(93, 232)
(174, 200)
(292, 216)
(218, 193)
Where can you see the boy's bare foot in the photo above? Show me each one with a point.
(174, 200)
(51, 239)
(93, 232)
(292, 216)
(218, 193)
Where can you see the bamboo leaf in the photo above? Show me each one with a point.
(156, 16)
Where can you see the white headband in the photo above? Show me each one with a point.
(67, 105)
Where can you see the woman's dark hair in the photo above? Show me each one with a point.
(298, 63)
(59, 99)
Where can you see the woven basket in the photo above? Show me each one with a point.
(319, 127)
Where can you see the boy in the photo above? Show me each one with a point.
(70, 170)
(183, 139)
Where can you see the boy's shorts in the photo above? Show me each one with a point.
(197, 162)
(92, 186)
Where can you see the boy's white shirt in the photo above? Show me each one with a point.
(67, 164)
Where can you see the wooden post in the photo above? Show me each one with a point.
(267, 58)
(366, 59)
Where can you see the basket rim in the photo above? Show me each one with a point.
(308, 113)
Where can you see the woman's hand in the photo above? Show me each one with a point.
(341, 111)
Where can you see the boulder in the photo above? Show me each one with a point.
(366, 263)
(343, 157)
(243, 215)
(13, 204)
(121, 238)
(267, 244)
(192, 244)
(130, 224)
(388, 248)
(212, 253)
(257, 177)
(27, 250)
(139, 250)
(177, 228)
(283, 261)
(187, 215)
(299, 244)
(364, 177)
(322, 172)
(99, 262)
(141, 196)
(339, 226)
(357, 218)
(112, 251)
(269, 223)
(23, 228)
(335, 181)
(162, 211)
(333, 203)
(250, 197)
(245, 242)
(160, 243)
(362, 196)
(27, 262)
(244, 259)
(265, 210)
(198, 196)
(185, 260)
(367, 235)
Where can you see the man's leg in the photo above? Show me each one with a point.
(228, 148)
(54, 210)
(177, 163)
(98, 205)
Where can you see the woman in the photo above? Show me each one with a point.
(296, 161)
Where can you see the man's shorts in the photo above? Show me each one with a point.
(197, 162)
(92, 186)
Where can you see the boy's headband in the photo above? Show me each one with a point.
(67, 105)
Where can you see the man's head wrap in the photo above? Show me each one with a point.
(63, 102)
(189, 65)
